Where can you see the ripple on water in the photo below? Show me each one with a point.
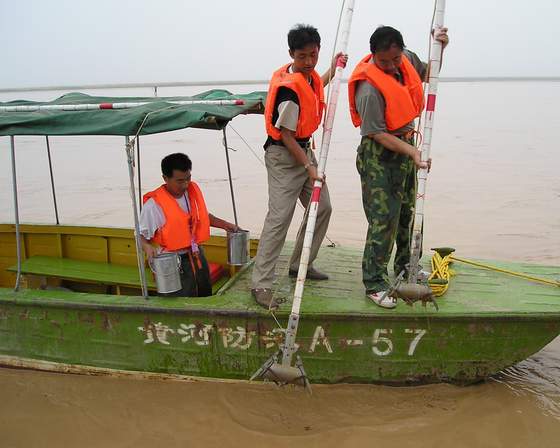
(537, 377)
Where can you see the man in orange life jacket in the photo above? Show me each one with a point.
(385, 93)
(293, 111)
(175, 218)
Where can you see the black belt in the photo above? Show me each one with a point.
(306, 144)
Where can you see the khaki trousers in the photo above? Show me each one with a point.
(287, 181)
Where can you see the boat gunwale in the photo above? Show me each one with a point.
(237, 313)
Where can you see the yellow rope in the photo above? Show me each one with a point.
(441, 273)
(505, 271)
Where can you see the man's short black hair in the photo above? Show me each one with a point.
(300, 36)
(177, 161)
(384, 38)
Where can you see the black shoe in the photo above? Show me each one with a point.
(312, 274)
(263, 296)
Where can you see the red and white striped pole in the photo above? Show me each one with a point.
(291, 331)
(106, 106)
(436, 53)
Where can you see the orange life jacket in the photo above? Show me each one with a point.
(403, 103)
(176, 232)
(311, 101)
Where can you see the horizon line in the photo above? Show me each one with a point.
(155, 85)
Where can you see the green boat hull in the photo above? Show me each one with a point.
(486, 321)
(167, 338)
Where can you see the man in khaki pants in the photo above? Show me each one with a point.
(294, 109)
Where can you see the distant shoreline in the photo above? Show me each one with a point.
(153, 85)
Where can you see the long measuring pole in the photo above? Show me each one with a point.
(434, 68)
(291, 331)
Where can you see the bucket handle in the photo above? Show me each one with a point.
(152, 266)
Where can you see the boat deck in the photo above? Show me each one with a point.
(473, 291)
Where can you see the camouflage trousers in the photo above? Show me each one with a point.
(388, 195)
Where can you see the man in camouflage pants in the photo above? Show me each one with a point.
(385, 94)
(388, 194)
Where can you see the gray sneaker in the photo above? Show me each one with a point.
(312, 274)
(263, 296)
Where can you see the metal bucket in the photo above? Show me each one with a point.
(238, 247)
(166, 269)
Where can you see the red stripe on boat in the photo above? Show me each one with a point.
(239, 102)
(316, 194)
(431, 105)
(106, 106)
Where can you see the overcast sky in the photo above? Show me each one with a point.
(57, 42)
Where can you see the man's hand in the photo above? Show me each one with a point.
(343, 60)
(222, 224)
(230, 227)
(150, 250)
(329, 74)
(313, 175)
(440, 35)
(416, 157)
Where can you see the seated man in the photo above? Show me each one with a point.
(175, 219)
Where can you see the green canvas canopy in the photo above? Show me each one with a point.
(159, 115)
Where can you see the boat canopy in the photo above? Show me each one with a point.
(151, 116)
(81, 114)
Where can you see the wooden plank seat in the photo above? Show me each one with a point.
(100, 273)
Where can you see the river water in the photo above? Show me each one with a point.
(494, 193)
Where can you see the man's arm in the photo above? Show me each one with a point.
(371, 107)
(151, 219)
(399, 146)
(222, 224)
(288, 116)
(441, 36)
(149, 250)
(289, 140)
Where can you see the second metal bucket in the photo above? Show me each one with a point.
(238, 247)
(166, 269)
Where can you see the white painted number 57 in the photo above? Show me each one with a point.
(383, 346)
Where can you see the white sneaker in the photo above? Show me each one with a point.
(381, 299)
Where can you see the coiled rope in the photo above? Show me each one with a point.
(441, 273)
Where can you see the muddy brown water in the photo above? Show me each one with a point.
(494, 193)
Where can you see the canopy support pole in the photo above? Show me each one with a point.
(16, 212)
(229, 176)
(139, 252)
(52, 180)
(139, 173)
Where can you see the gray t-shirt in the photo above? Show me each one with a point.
(370, 103)
(288, 113)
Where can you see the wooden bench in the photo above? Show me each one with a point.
(99, 273)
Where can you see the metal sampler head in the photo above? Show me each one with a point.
(414, 292)
(285, 375)
(282, 374)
